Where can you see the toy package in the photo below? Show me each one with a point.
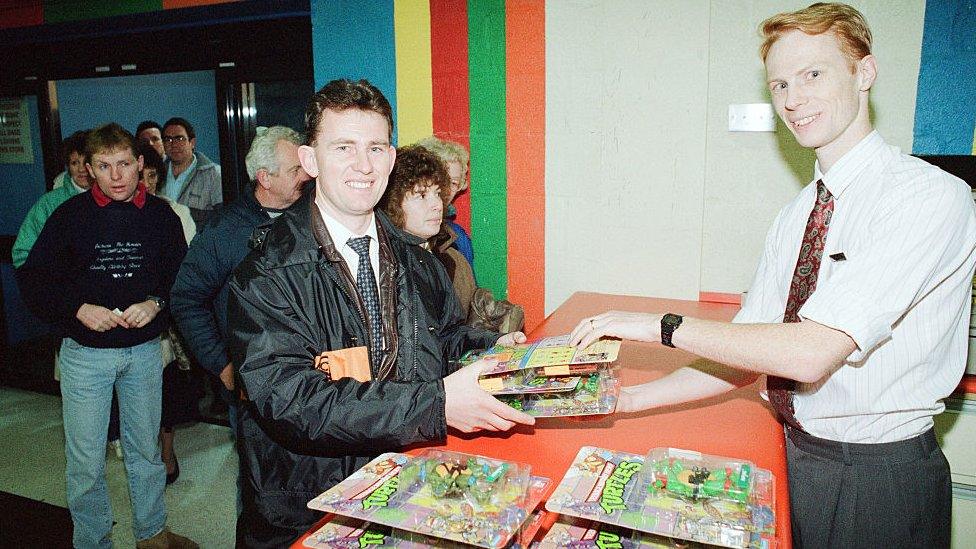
(551, 355)
(665, 493)
(527, 382)
(350, 533)
(574, 533)
(596, 394)
(460, 497)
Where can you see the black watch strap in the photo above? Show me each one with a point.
(669, 323)
(160, 302)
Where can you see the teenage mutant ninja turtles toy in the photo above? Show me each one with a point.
(698, 481)
(457, 478)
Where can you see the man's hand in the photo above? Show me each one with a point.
(98, 318)
(140, 314)
(622, 324)
(227, 376)
(511, 338)
(629, 400)
(469, 408)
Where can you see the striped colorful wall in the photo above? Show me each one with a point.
(473, 72)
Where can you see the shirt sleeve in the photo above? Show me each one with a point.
(764, 303)
(922, 233)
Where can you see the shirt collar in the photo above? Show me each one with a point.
(102, 200)
(339, 233)
(78, 189)
(847, 170)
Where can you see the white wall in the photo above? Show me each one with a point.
(647, 192)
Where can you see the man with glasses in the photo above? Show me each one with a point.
(192, 179)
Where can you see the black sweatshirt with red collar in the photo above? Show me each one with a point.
(102, 252)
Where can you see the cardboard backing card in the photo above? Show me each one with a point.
(527, 382)
(614, 488)
(349, 533)
(554, 355)
(459, 497)
(575, 533)
(596, 394)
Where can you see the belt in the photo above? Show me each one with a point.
(851, 453)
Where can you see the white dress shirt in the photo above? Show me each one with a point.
(340, 237)
(896, 276)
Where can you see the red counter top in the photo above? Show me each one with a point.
(739, 424)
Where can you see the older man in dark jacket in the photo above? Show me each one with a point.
(334, 277)
(199, 296)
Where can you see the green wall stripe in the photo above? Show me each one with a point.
(60, 11)
(489, 217)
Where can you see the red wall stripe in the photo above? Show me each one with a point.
(21, 14)
(525, 112)
(449, 73)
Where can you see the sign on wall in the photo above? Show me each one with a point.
(15, 135)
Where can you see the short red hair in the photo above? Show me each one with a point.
(847, 24)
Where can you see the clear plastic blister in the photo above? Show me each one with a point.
(693, 475)
(628, 490)
(460, 497)
(596, 394)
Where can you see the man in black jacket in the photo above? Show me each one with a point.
(305, 294)
(199, 297)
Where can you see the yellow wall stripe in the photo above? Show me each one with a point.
(414, 91)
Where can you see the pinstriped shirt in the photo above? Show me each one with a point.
(896, 276)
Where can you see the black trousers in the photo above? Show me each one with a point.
(889, 495)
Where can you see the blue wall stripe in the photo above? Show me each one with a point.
(945, 108)
(353, 39)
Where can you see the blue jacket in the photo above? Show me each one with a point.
(199, 297)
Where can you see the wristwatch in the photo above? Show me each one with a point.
(160, 302)
(669, 323)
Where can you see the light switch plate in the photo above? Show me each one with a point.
(752, 117)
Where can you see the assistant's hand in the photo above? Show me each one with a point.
(98, 318)
(469, 408)
(140, 314)
(511, 338)
(629, 400)
(622, 324)
(227, 376)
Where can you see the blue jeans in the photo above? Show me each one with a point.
(88, 376)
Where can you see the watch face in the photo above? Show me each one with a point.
(672, 320)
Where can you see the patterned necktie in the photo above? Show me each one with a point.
(803, 284)
(366, 284)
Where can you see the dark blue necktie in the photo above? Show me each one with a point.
(366, 284)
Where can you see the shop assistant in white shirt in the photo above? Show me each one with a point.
(896, 277)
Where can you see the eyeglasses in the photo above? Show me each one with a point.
(176, 138)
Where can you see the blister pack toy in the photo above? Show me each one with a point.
(574, 533)
(627, 490)
(349, 533)
(527, 382)
(461, 497)
(550, 355)
(596, 394)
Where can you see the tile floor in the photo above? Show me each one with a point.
(200, 505)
